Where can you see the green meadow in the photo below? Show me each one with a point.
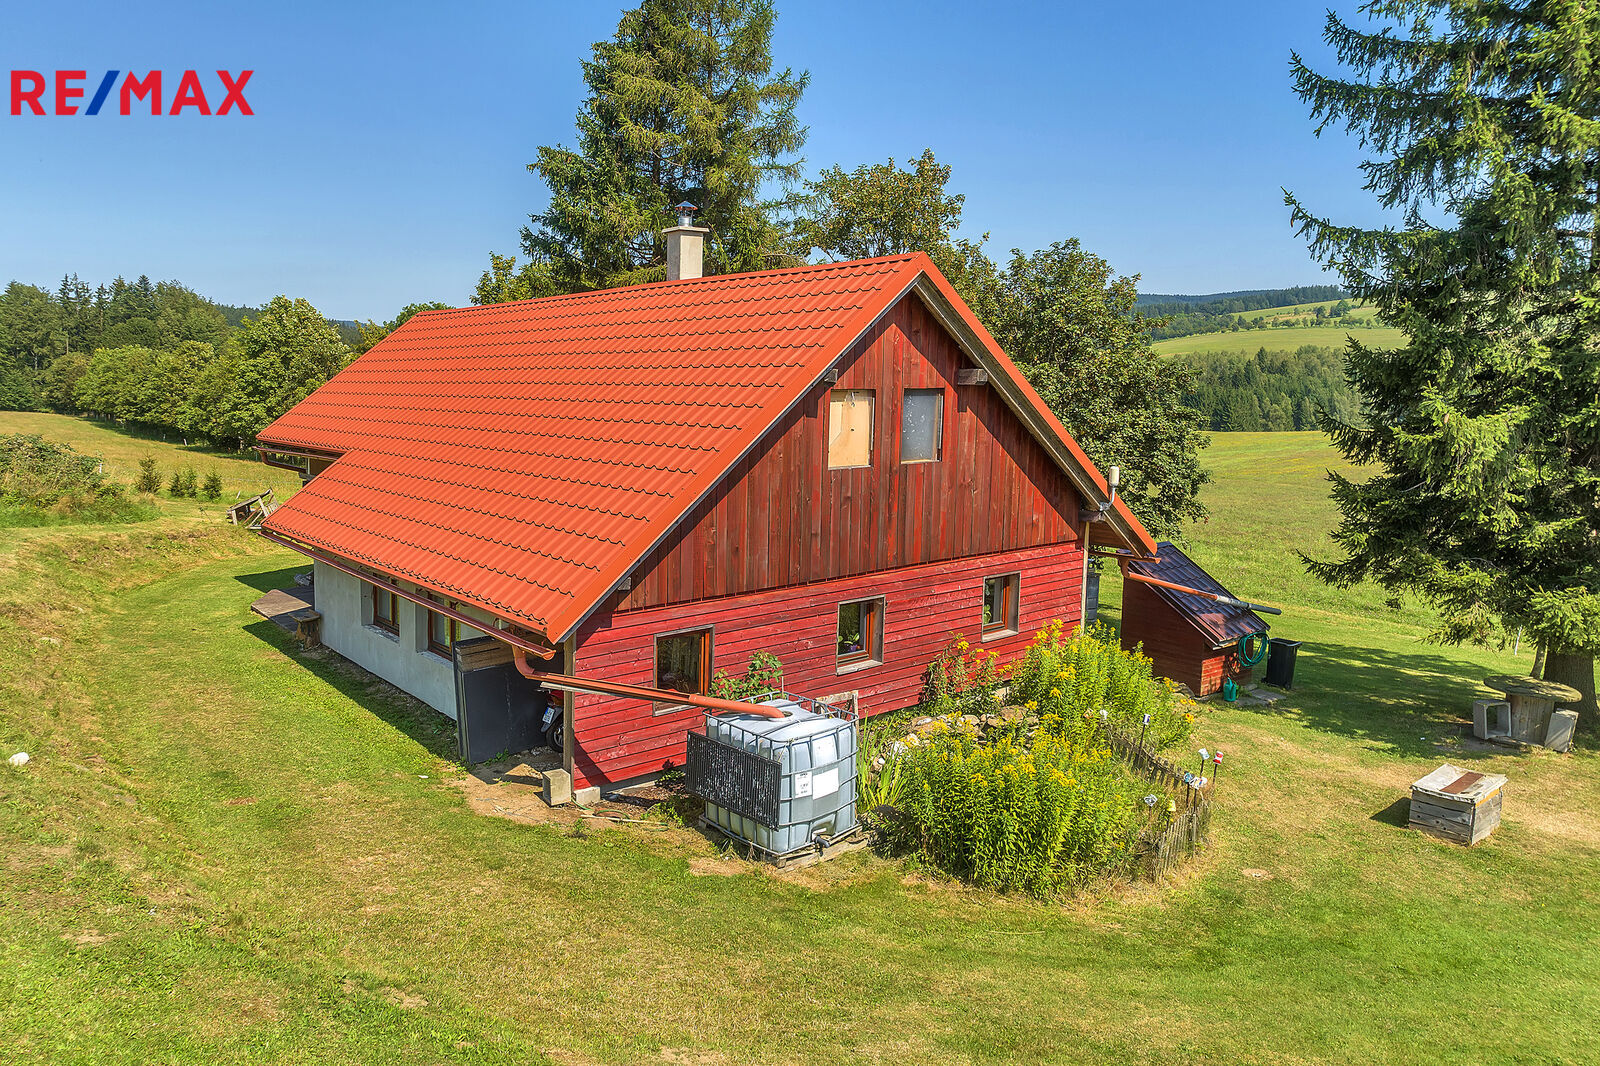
(1279, 339)
(226, 850)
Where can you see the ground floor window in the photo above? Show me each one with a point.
(1000, 603)
(442, 633)
(860, 632)
(385, 609)
(683, 662)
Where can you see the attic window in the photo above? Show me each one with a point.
(849, 428)
(922, 425)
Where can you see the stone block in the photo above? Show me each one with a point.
(1562, 725)
(557, 787)
(587, 797)
(1490, 717)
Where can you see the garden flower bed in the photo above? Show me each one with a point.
(1033, 797)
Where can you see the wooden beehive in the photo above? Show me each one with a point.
(1456, 804)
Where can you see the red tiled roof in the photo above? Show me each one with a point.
(1222, 625)
(524, 456)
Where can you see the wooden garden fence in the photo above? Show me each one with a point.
(1162, 847)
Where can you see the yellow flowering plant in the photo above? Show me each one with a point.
(1040, 818)
(961, 680)
(1070, 678)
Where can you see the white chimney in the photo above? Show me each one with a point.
(686, 245)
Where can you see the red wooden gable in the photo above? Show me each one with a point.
(782, 517)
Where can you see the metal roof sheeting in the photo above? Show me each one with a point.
(524, 456)
(1223, 625)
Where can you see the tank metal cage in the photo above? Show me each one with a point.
(777, 796)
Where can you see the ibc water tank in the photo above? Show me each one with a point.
(816, 757)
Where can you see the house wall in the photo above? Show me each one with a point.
(781, 517)
(345, 603)
(615, 740)
(1177, 649)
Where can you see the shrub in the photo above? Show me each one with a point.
(878, 786)
(1068, 681)
(962, 680)
(182, 483)
(764, 675)
(42, 483)
(1039, 818)
(213, 486)
(149, 479)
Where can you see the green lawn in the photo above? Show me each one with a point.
(226, 851)
(122, 448)
(1284, 339)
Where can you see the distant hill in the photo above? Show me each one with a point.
(1188, 315)
(1234, 303)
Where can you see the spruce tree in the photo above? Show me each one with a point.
(683, 106)
(1483, 125)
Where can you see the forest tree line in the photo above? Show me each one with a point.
(163, 357)
(1271, 390)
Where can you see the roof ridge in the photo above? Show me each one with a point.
(673, 284)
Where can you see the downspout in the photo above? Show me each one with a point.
(567, 682)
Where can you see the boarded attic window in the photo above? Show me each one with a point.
(921, 425)
(849, 428)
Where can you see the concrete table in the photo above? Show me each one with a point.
(1532, 702)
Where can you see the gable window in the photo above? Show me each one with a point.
(683, 662)
(922, 426)
(385, 610)
(860, 632)
(1000, 604)
(443, 633)
(849, 428)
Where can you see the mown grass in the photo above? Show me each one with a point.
(1281, 339)
(226, 851)
(122, 447)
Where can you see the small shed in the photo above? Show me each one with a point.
(1192, 640)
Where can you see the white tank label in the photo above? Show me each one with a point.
(802, 784)
(824, 784)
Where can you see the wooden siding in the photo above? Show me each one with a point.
(781, 517)
(618, 739)
(1177, 648)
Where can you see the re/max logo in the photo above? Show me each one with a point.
(29, 90)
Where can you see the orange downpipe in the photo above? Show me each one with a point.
(1217, 596)
(655, 695)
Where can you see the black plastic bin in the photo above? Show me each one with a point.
(1280, 662)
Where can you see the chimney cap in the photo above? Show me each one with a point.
(685, 212)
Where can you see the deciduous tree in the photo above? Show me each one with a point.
(1070, 324)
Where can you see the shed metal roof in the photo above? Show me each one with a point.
(1222, 625)
(524, 456)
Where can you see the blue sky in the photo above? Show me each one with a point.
(387, 151)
